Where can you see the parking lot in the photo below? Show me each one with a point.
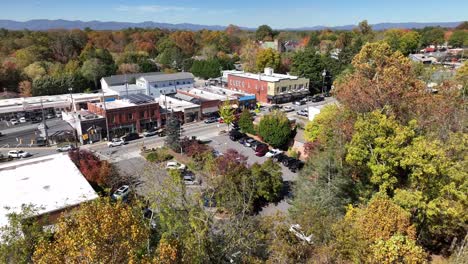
(222, 143)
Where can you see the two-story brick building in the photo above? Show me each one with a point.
(269, 87)
(135, 113)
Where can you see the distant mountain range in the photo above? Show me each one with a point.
(45, 24)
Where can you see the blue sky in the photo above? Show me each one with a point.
(278, 14)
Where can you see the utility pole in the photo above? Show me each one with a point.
(45, 124)
(71, 99)
(126, 85)
(105, 114)
(324, 73)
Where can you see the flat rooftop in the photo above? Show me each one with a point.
(275, 77)
(206, 94)
(52, 183)
(225, 92)
(174, 103)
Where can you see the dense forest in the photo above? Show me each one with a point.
(49, 62)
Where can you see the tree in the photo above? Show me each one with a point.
(399, 249)
(93, 70)
(128, 68)
(50, 85)
(10, 76)
(432, 36)
(96, 171)
(25, 88)
(31, 54)
(365, 28)
(275, 129)
(267, 58)
(268, 180)
(98, 231)
(206, 68)
(19, 238)
(173, 134)
(249, 56)
(245, 122)
(35, 70)
(308, 64)
(185, 41)
(409, 42)
(227, 112)
(264, 32)
(463, 25)
(459, 38)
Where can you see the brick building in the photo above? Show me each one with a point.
(269, 87)
(135, 113)
(209, 102)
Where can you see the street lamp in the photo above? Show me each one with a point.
(71, 99)
(324, 73)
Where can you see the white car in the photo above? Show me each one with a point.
(66, 148)
(49, 116)
(18, 154)
(288, 108)
(116, 142)
(14, 121)
(23, 120)
(121, 193)
(174, 165)
(273, 153)
(303, 112)
(297, 231)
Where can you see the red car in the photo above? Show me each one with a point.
(261, 150)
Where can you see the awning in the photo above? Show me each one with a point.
(207, 110)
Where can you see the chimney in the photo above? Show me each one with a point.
(268, 71)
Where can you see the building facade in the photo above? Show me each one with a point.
(136, 113)
(164, 84)
(269, 87)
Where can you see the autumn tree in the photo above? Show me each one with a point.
(308, 64)
(96, 171)
(25, 88)
(264, 32)
(248, 56)
(98, 231)
(245, 122)
(93, 70)
(432, 36)
(267, 58)
(128, 68)
(226, 112)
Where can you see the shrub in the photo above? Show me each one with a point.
(159, 155)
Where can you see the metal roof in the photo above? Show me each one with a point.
(168, 77)
(120, 79)
(138, 98)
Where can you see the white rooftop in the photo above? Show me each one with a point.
(175, 104)
(52, 182)
(268, 75)
(205, 94)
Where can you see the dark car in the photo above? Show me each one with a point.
(235, 135)
(295, 165)
(287, 161)
(261, 150)
(235, 126)
(130, 136)
(274, 107)
(36, 120)
(210, 120)
(279, 158)
(317, 98)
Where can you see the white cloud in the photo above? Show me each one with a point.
(154, 8)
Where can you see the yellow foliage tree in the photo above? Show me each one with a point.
(97, 232)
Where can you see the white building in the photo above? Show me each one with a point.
(157, 85)
(52, 183)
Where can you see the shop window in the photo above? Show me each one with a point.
(130, 116)
(142, 114)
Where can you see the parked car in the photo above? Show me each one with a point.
(150, 133)
(36, 120)
(235, 126)
(66, 148)
(248, 142)
(174, 165)
(273, 152)
(130, 136)
(317, 98)
(288, 108)
(287, 161)
(23, 120)
(150, 215)
(297, 231)
(18, 154)
(210, 120)
(279, 158)
(274, 107)
(116, 142)
(299, 102)
(235, 135)
(59, 115)
(261, 150)
(303, 112)
(189, 179)
(13, 121)
(49, 116)
(121, 193)
(295, 165)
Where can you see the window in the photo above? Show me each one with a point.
(122, 117)
(155, 86)
(112, 118)
(284, 89)
(177, 82)
(183, 82)
(142, 114)
(130, 116)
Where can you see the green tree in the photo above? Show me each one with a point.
(268, 180)
(173, 134)
(268, 58)
(459, 38)
(93, 70)
(410, 42)
(264, 32)
(397, 249)
(19, 239)
(275, 129)
(432, 36)
(206, 68)
(227, 113)
(245, 122)
(308, 64)
(35, 70)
